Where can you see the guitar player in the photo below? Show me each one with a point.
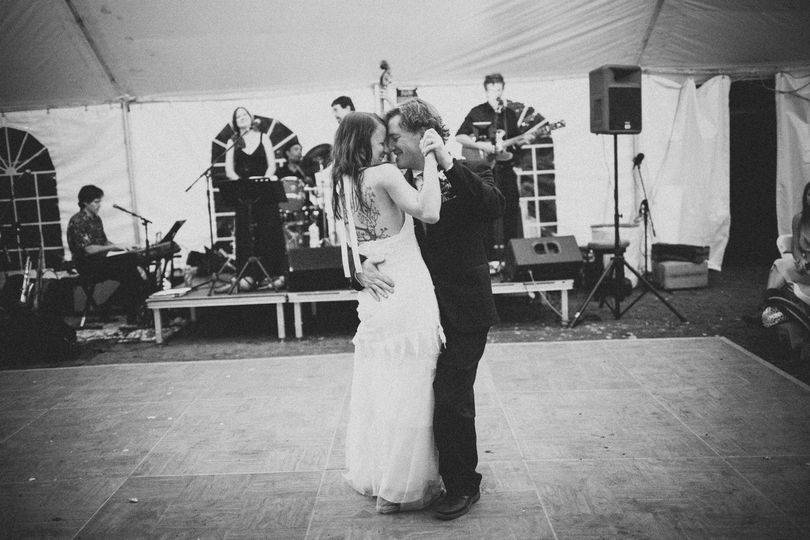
(488, 130)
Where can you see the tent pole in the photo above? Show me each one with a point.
(130, 171)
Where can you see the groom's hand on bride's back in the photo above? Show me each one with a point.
(378, 284)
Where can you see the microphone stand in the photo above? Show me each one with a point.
(644, 210)
(208, 181)
(145, 222)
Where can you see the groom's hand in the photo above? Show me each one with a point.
(376, 282)
(433, 142)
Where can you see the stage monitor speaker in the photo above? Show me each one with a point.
(315, 269)
(615, 99)
(544, 258)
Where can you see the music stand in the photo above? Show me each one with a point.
(617, 264)
(249, 191)
(208, 185)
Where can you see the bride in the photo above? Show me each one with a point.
(390, 451)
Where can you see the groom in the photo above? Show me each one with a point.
(455, 254)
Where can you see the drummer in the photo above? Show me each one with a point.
(292, 167)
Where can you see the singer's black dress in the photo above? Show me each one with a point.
(267, 242)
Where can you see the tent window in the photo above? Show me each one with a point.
(538, 192)
(28, 198)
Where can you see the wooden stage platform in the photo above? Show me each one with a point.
(199, 298)
(660, 438)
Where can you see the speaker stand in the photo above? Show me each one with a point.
(617, 264)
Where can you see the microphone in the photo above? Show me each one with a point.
(637, 160)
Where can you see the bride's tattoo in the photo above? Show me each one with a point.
(368, 220)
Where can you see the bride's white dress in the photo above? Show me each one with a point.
(390, 452)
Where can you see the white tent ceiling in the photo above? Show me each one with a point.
(56, 53)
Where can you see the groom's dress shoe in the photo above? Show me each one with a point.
(453, 506)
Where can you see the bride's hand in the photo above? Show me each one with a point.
(433, 142)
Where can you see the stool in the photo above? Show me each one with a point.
(599, 250)
(597, 267)
(88, 286)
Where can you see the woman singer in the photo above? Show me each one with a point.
(258, 225)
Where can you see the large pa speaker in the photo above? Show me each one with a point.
(315, 269)
(615, 99)
(538, 259)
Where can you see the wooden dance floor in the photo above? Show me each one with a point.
(643, 438)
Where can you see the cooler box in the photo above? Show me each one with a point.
(681, 274)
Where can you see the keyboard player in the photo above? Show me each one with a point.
(90, 248)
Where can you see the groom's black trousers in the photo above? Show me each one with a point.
(454, 413)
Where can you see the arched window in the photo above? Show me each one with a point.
(224, 215)
(29, 206)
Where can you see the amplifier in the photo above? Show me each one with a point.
(543, 258)
(315, 269)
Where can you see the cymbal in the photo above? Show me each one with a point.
(317, 158)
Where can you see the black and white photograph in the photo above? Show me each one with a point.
(419, 269)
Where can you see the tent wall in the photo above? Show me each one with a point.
(171, 145)
(86, 146)
(792, 146)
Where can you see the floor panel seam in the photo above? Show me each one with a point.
(520, 449)
(719, 455)
(25, 425)
(132, 472)
(328, 459)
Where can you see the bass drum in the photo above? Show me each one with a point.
(292, 212)
(296, 198)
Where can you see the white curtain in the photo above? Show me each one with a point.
(685, 140)
(792, 146)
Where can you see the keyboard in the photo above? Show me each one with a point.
(156, 252)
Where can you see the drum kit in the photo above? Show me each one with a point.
(303, 216)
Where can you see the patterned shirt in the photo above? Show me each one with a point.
(84, 230)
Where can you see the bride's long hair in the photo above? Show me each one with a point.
(351, 154)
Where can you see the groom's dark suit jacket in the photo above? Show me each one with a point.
(454, 250)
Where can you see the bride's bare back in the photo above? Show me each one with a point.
(388, 197)
(382, 218)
